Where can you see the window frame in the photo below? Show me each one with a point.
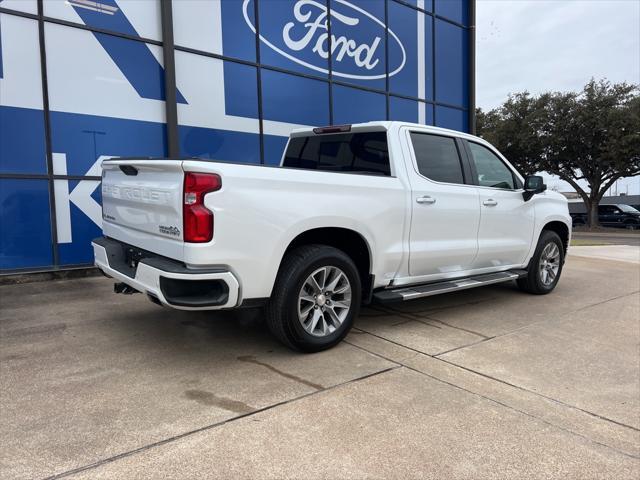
(462, 157)
(515, 175)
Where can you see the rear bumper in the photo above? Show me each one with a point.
(168, 281)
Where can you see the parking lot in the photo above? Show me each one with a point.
(488, 383)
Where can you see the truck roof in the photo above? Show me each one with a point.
(383, 125)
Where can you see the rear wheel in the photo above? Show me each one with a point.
(545, 266)
(315, 298)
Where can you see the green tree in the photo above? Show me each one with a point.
(591, 137)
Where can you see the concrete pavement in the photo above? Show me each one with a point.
(622, 253)
(485, 383)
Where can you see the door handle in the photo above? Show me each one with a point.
(490, 202)
(426, 199)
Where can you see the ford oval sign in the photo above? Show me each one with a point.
(357, 51)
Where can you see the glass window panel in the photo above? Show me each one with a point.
(238, 29)
(293, 99)
(365, 152)
(104, 102)
(452, 118)
(78, 219)
(452, 69)
(25, 239)
(294, 36)
(273, 149)
(410, 111)
(22, 138)
(214, 144)
(422, 4)
(359, 43)
(352, 105)
(133, 17)
(437, 157)
(28, 6)
(411, 68)
(456, 10)
(491, 170)
(403, 109)
(220, 121)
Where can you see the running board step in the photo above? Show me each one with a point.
(427, 290)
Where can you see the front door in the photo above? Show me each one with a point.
(506, 221)
(445, 211)
(610, 216)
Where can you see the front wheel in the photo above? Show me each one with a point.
(315, 298)
(545, 266)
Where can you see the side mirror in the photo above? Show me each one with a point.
(533, 184)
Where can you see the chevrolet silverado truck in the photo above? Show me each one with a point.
(380, 211)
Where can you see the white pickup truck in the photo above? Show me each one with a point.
(381, 211)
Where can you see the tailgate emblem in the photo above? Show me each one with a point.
(173, 231)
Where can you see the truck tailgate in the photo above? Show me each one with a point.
(142, 204)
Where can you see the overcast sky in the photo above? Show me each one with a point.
(541, 45)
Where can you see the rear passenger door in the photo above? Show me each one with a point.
(445, 210)
(506, 220)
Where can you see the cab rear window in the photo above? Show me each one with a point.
(365, 152)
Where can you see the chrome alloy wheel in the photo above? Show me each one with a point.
(324, 301)
(549, 264)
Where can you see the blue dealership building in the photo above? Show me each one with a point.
(86, 80)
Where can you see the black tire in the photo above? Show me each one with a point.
(282, 309)
(533, 283)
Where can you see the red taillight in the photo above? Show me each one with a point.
(198, 220)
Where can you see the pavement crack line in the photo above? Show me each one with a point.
(426, 319)
(540, 322)
(290, 376)
(497, 402)
(174, 438)
(559, 402)
(461, 347)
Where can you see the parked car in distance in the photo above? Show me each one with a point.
(380, 211)
(619, 216)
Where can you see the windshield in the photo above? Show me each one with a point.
(628, 209)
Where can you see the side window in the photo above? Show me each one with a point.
(437, 157)
(365, 152)
(607, 210)
(492, 172)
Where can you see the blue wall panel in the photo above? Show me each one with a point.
(238, 38)
(25, 236)
(403, 109)
(452, 67)
(452, 118)
(280, 28)
(352, 105)
(22, 147)
(366, 68)
(293, 99)
(456, 10)
(84, 230)
(241, 90)
(84, 138)
(207, 143)
(273, 149)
